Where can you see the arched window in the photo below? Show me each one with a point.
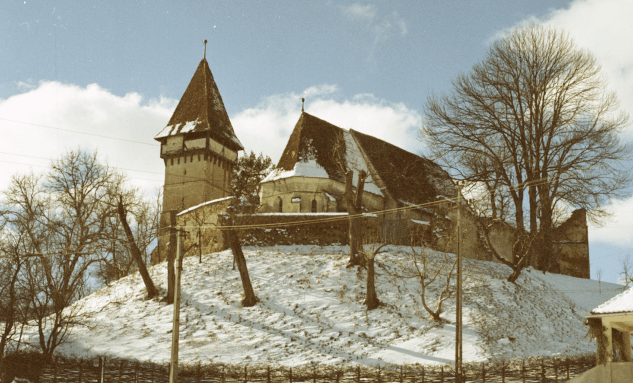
(280, 203)
(314, 206)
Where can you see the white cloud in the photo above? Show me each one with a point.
(24, 86)
(367, 12)
(94, 110)
(267, 127)
(382, 26)
(91, 110)
(617, 230)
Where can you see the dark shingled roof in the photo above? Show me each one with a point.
(408, 177)
(315, 139)
(202, 102)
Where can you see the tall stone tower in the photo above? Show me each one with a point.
(199, 148)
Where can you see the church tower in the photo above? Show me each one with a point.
(198, 146)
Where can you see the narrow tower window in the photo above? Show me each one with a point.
(314, 206)
(280, 204)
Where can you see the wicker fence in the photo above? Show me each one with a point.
(103, 370)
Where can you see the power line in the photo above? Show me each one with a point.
(78, 132)
(178, 176)
(342, 217)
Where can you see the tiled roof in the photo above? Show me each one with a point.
(315, 139)
(201, 109)
(621, 303)
(408, 177)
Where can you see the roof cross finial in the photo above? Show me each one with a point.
(303, 100)
(204, 55)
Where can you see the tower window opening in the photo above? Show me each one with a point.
(185, 172)
(314, 206)
(172, 161)
(280, 205)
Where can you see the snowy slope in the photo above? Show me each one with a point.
(312, 310)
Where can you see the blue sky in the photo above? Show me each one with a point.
(116, 69)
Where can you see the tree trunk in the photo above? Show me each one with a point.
(171, 257)
(136, 254)
(249, 295)
(355, 237)
(199, 246)
(534, 229)
(371, 301)
(9, 315)
(354, 204)
(547, 248)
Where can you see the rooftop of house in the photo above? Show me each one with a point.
(201, 109)
(620, 304)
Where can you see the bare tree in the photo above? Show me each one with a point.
(536, 115)
(152, 292)
(371, 298)
(599, 276)
(626, 273)
(142, 218)
(11, 297)
(116, 261)
(520, 249)
(354, 201)
(250, 299)
(63, 221)
(431, 270)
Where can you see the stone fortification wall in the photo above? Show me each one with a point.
(439, 231)
(436, 229)
(321, 229)
(202, 223)
(571, 243)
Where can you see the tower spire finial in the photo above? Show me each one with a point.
(303, 100)
(204, 55)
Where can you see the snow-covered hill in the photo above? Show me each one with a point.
(312, 310)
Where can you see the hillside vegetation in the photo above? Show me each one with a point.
(311, 310)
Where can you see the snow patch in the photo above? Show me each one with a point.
(308, 168)
(203, 204)
(311, 310)
(171, 130)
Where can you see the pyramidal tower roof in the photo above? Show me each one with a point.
(201, 110)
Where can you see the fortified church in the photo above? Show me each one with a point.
(407, 198)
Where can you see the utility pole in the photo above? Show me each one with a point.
(458, 298)
(199, 245)
(175, 334)
(171, 255)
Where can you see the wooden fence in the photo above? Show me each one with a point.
(102, 370)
